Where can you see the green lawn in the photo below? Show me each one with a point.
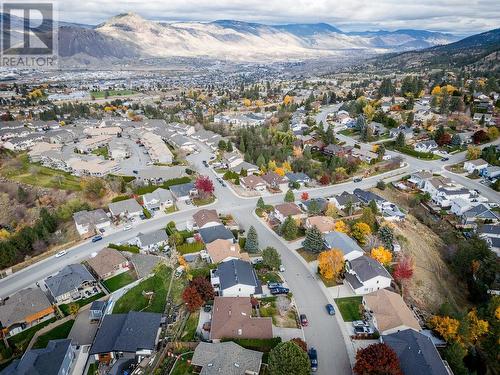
(59, 332)
(182, 367)
(307, 255)
(119, 281)
(21, 340)
(134, 300)
(349, 308)
(37, 175)
(203, 201)
(188, 248)
(102, 94)
(101, 151)
(92, 369)
(190, 328)
(65, 308)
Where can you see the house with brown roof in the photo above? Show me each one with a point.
(389, 312)
(23, 310)
(232, 318)
(206, 218)
(275, 182)
(323, 223)
(282, 211)
(222, 250)
(108, 263)
(253, 182)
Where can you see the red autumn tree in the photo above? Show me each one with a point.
(324, 180)
(300, 343)
(204, 185)
(377, 359)
(204, 288)
(192, 299)
(404, 268)
(444, 139)
(304, 196)
(480, 136)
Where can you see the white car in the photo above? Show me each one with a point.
(61, 253)
(282, 268)
(127, 227)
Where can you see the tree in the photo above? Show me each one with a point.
(271, 257)
(360, 231)
(229, 146)
(381, 254)
(74, 308)
(192, 299)
(324, 180)
(400, 140)
(252, 241)
(93, 187)
(476, 327)
(404, 268)
(300, 343)
(304, 196)
(454, 355)
(341, 226)
(222, 145)
(386, 235)
(288, 358)
(480, 137)
(314, 207)
(204, 185)
(289, 196)
(446, 327)
(381, 185)
(204, 288)
(314, 240)
(261, 161)
(332, 210)
(260, 203)
(289, 229)
(493, 133)
(473, 152)
(377, 359)
(331, 263)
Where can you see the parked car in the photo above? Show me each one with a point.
(330, 309)
(359, 323)
(135, 171)
(445, 159)
(279, 290)
(96, 238)
(127, 227)
(282, 268)
(205, 163)
(61, 253)
(271, 285)
(357, 179)
(313, 357)
(303, 320)
(363, 330)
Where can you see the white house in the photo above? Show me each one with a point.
(365, 275)
(460, 205)
(341, 241)
(235, 278)
(253, 182)
(475, 165)
(128, 207)
(282, 211)
(158, 200)
(426, 146)
(89, 222)
(151, 241)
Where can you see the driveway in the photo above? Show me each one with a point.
(287, 334)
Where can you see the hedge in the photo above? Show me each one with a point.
(120, 198)
(129, 248)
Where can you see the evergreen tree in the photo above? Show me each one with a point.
(229, 146)
(261, 161)
(289, 196)
(400, 140)
(314, 240)
(271, 257)
(386, 235)
(260, 203)
(289, 229)
(252, 241)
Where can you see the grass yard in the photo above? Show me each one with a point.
(119, 281)
(307, 255)
(182, 367)
(134, 300)
(65, 308)
(266, 276)
(101, 151)
(108, 93)
(21, 170)
(92, 369)
(59, 332)
(188, 248)
(20, 341)
(349, 308)
(189, 332)
(171, 209)
(328, 283)
(203, 201)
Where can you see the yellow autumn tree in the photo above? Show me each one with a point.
(473, 152)
(287, 100)
(369, 112)
(332, 211)
(477, 327)
(4, 233)
(280, 171)
(286, 167)
(341, 226)
(450, 89)
(271, 165)
(446, 327)
(247, 102)
(381, 254)
(436, 90)
(360, 231)
(330, 263)
(493, 133)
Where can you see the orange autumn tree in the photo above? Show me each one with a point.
(341, 227)
(360, 231)
(477, 327)
(444, 325)
(330, 263)
(381, 254)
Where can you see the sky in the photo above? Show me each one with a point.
(463, 17)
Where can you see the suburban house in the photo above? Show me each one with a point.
(222, 251)
(206, 218)
(89, 222)
(158, 200)
(475, 165)
(235, 278)
(183, 192)
(389, 312)
(71, 283)
(418, 179)
(492, 172)
(108, 263)
(338, 150)
(245, 166)
(253, 182)
(416, 352)
(283, 210)
(426, 146)
(341, 200)
(125, 208)
(365, 275)
(491, 234)
(58, 358)
(407, 132)
(151, 241)
(479, 212)
(23, 310)
(391, 212)
(274, 181)
(232, 159)
(366, 197)
(216, 232)
(443, 191)
(122, 338)
(314, 205)
(364, 155)
(226, 358)
(323, 223)
(232, 319)
(156, 175)
(300, 178)
(341, 241)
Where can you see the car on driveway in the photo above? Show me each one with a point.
(330, 309)
(360, 323)
(313, 357)
(96, 238)
(271, 285)
(279, 290)
(303, 320)
(363, 330)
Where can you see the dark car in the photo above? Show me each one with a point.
(279, 290)
(303, 320)
(96, 238)
(135, 171)
(330, 309)
(357, 179)
(271, 285)
(205, 163)
(313, 357)
(445, 159)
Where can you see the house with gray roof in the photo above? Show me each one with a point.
(479, 212)
(341, 200)
(183, 192)
(24, 309)
(250, 168)
(151, 241)
(366, 196)
(127, 337)
(71, 283)
(365, 275)
(341, 241)
(225, 358)
(158, 200)
(125, 208)
(157, 175)
(89, 222)
(299, 177)
(426, 146)
(416, 352)
(58, 358)
(235, 278)
(216, 232)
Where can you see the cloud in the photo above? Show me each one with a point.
(458, 16)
